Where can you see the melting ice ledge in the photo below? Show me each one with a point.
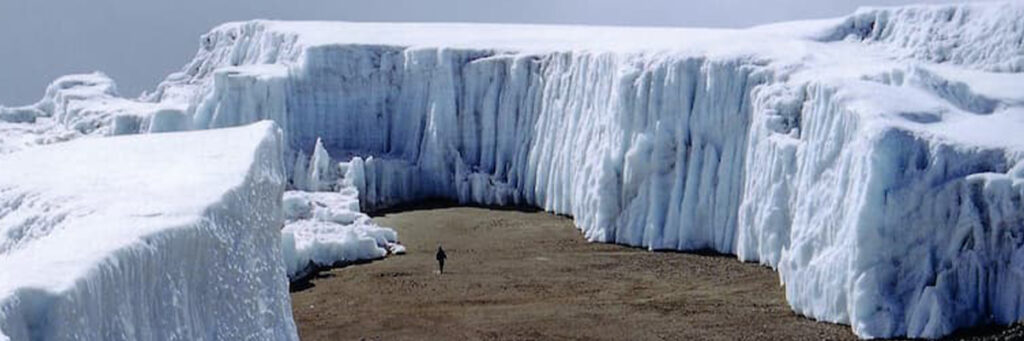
(874, 160)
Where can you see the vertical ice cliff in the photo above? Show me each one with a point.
(153, 237)
(873, 160)
(883, 200)
(501, 128)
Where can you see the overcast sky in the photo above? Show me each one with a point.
(138, 42)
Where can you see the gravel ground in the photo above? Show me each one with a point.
(518, 275)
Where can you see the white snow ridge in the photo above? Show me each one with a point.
(874, 160)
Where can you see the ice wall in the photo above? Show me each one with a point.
(872, 187)
(146, 237)
(872, 159)
(499, 128)
(803, 168)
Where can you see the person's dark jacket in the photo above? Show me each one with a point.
(441, 256)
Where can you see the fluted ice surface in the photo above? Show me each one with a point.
(873, 160)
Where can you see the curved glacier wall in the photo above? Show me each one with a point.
(643, 151)
(673, 151)
(832, 151)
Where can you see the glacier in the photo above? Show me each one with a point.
(873, 159)
(135, 242)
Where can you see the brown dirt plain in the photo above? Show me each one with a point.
(521, 275)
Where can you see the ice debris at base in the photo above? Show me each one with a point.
(324, 226)
(873, 160)
(173, 236)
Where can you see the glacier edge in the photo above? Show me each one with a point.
(833, 151)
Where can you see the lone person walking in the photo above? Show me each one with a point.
(441, 256)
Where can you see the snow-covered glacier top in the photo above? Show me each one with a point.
(100, 230)
(114, 200)
(985, 36)
(940, 46)
(874, 160)
(514, 37)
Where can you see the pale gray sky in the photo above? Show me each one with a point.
(138, 42)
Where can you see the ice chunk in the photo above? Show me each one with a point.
(171, 236)
(326, 228)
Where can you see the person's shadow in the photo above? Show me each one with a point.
(306, 282)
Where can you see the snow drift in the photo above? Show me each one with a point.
(873, 160)
(172, 236)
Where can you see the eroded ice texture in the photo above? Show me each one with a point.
(323, 222)
(874, 160)
(172, 236)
